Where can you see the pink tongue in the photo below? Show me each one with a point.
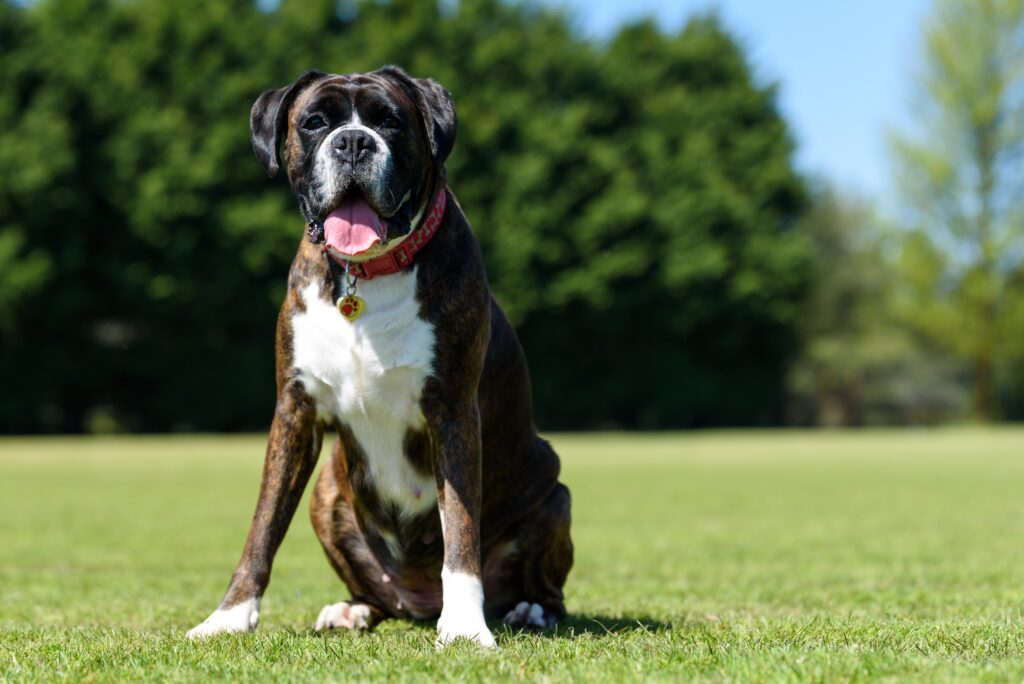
(353, 228)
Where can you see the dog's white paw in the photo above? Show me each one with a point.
(453, 626)
(242, 617)
(344, 615)
(529, 616)
(462, 610)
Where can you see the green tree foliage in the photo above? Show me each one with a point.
(859, 364)
(679, 308)
(23, 270)
(635, 202)
(963, 180)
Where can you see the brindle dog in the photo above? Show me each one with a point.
(439, 499)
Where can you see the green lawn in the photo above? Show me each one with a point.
(724, 556)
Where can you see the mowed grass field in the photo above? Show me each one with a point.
(776, 556)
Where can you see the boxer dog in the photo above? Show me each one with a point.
(439, 499)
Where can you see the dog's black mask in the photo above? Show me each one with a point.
(378, 140)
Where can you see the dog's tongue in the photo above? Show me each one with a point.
(353, 228)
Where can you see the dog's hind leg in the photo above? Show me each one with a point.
(524, 574)
(335, 524)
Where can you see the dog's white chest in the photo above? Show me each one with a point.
(369, 373)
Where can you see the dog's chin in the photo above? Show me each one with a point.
(377, 250)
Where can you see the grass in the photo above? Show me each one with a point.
(717, 556)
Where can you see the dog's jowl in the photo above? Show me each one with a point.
(439, 500)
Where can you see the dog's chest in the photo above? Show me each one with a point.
(369, 374)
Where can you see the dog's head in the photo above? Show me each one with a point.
(364, 153)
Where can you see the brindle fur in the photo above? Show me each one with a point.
(506, 515)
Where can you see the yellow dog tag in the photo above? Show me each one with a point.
(350, 307)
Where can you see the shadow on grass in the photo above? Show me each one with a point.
(575, 625)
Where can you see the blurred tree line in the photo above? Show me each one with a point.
(635, 199)
(861, 362)
(635, 202)
(962, 177)
(922, 320)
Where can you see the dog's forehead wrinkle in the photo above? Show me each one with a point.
(328, 94)
(343, 100)
(364, 86)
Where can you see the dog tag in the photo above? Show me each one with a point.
(350, 307)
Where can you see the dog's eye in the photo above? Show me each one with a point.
(314, 122)
(390, 122)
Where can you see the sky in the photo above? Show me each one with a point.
(845, 69)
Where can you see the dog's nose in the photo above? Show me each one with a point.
(353, 145)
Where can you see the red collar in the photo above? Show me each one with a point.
(400, 258)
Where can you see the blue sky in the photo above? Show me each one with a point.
(845, 68)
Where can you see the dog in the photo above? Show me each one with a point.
(439, 500)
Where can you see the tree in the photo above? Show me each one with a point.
(859, 365)
(962, 180)
(686, 268)
(635, 201)
(23, 270)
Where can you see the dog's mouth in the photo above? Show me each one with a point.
(354, 227)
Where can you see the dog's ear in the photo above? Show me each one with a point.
(439, 113)
(435, 105)
(268, 120)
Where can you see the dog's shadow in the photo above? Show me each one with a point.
(574, 625)
(580, 624)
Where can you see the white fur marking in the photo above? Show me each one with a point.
(324, 165)
(369, 373)
(462, 613)
(242, 617)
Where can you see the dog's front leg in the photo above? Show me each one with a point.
(458, 473)
(292, 452)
